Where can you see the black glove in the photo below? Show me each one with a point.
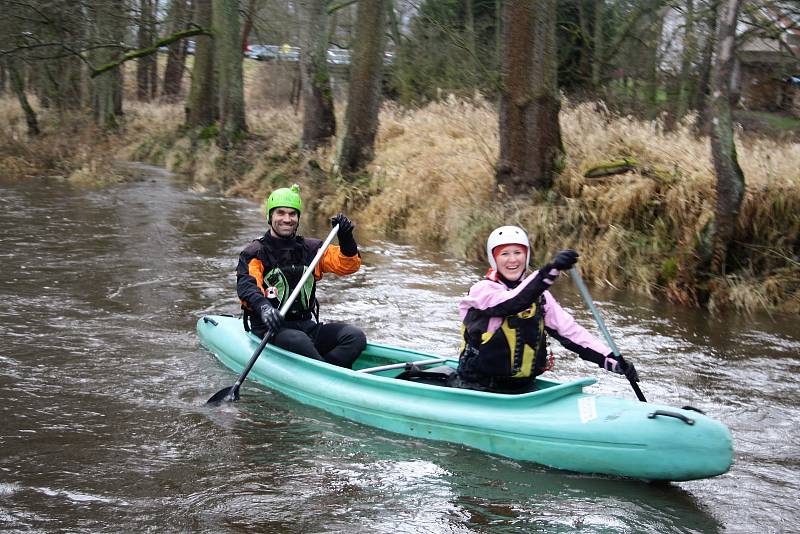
(271, 317)
(345, 225)
(565, 259)
(346, 241)
(621, 367)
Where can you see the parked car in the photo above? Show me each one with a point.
(338, 56)
(262, 52)
(288, 53)
(190, 47)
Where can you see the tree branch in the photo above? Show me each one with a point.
(150, 49)
(336, 6)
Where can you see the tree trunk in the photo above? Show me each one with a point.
(3, 76)
(364, 95)
(469, 29)
(598, 42)
(201, 108)
(583, 45)
(319, 121)
(702, 125)
(228, 61)
(249, 15)
(394, 25)
(176, 58)
(730, 178)
(689, 51)
(498, 33)
(107, 87)
(530, 135)
(18, 86)
(653, 61)
(146, 73)
(56, 76)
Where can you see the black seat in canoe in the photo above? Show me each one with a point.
(436, 376)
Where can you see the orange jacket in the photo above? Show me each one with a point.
(267, 253)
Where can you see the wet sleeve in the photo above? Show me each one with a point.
(563, 327)
(249, 280)
(333, 261)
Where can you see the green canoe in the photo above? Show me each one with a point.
(559, 425)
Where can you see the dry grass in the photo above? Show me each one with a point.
(433, 177)
(433, 167)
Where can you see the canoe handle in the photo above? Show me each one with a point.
(665, 413)
(210, 320)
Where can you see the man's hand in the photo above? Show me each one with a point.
(346, 226)
(347, 242)
(271, 317)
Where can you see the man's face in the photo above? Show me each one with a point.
(284, 221)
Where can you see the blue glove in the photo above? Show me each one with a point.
(621, 367)
(271, 317)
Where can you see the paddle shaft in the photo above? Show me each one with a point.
(391, 366)
(233, 391)
(587, 298)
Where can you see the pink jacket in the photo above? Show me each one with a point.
(487, 293)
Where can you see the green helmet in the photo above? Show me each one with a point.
(285, 197)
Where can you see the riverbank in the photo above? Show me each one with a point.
(432, 179)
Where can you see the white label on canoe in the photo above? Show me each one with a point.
(587, 409)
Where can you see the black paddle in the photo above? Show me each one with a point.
(588, 300)
(232, 393)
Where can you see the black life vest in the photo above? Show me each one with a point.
(283, 268)
(517, 349)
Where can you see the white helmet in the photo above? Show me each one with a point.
(506, 235)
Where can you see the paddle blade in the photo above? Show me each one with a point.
(228, 394)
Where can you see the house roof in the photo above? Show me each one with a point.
(783, 46)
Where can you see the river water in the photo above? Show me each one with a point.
(103, 385)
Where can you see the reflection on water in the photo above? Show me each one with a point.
(103, 389)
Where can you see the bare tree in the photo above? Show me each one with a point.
(146, 66)
(178, 18)
(530, 135)
(688, 52)
(364, 95)
(109, 18)
(598, 42)
(18, 86)
(3, 76)
(201, 108)
(701, 96)
(730, 178)
(10, 65)
(249, 18)
(228, 63)
(319, 121)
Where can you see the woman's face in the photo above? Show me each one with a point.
(511, 262)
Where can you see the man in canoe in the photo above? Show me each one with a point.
(507, 317)
(269, 269)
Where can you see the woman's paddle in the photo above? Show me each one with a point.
(232, 393)
(588, 300)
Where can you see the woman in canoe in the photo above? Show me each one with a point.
(507, 317)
